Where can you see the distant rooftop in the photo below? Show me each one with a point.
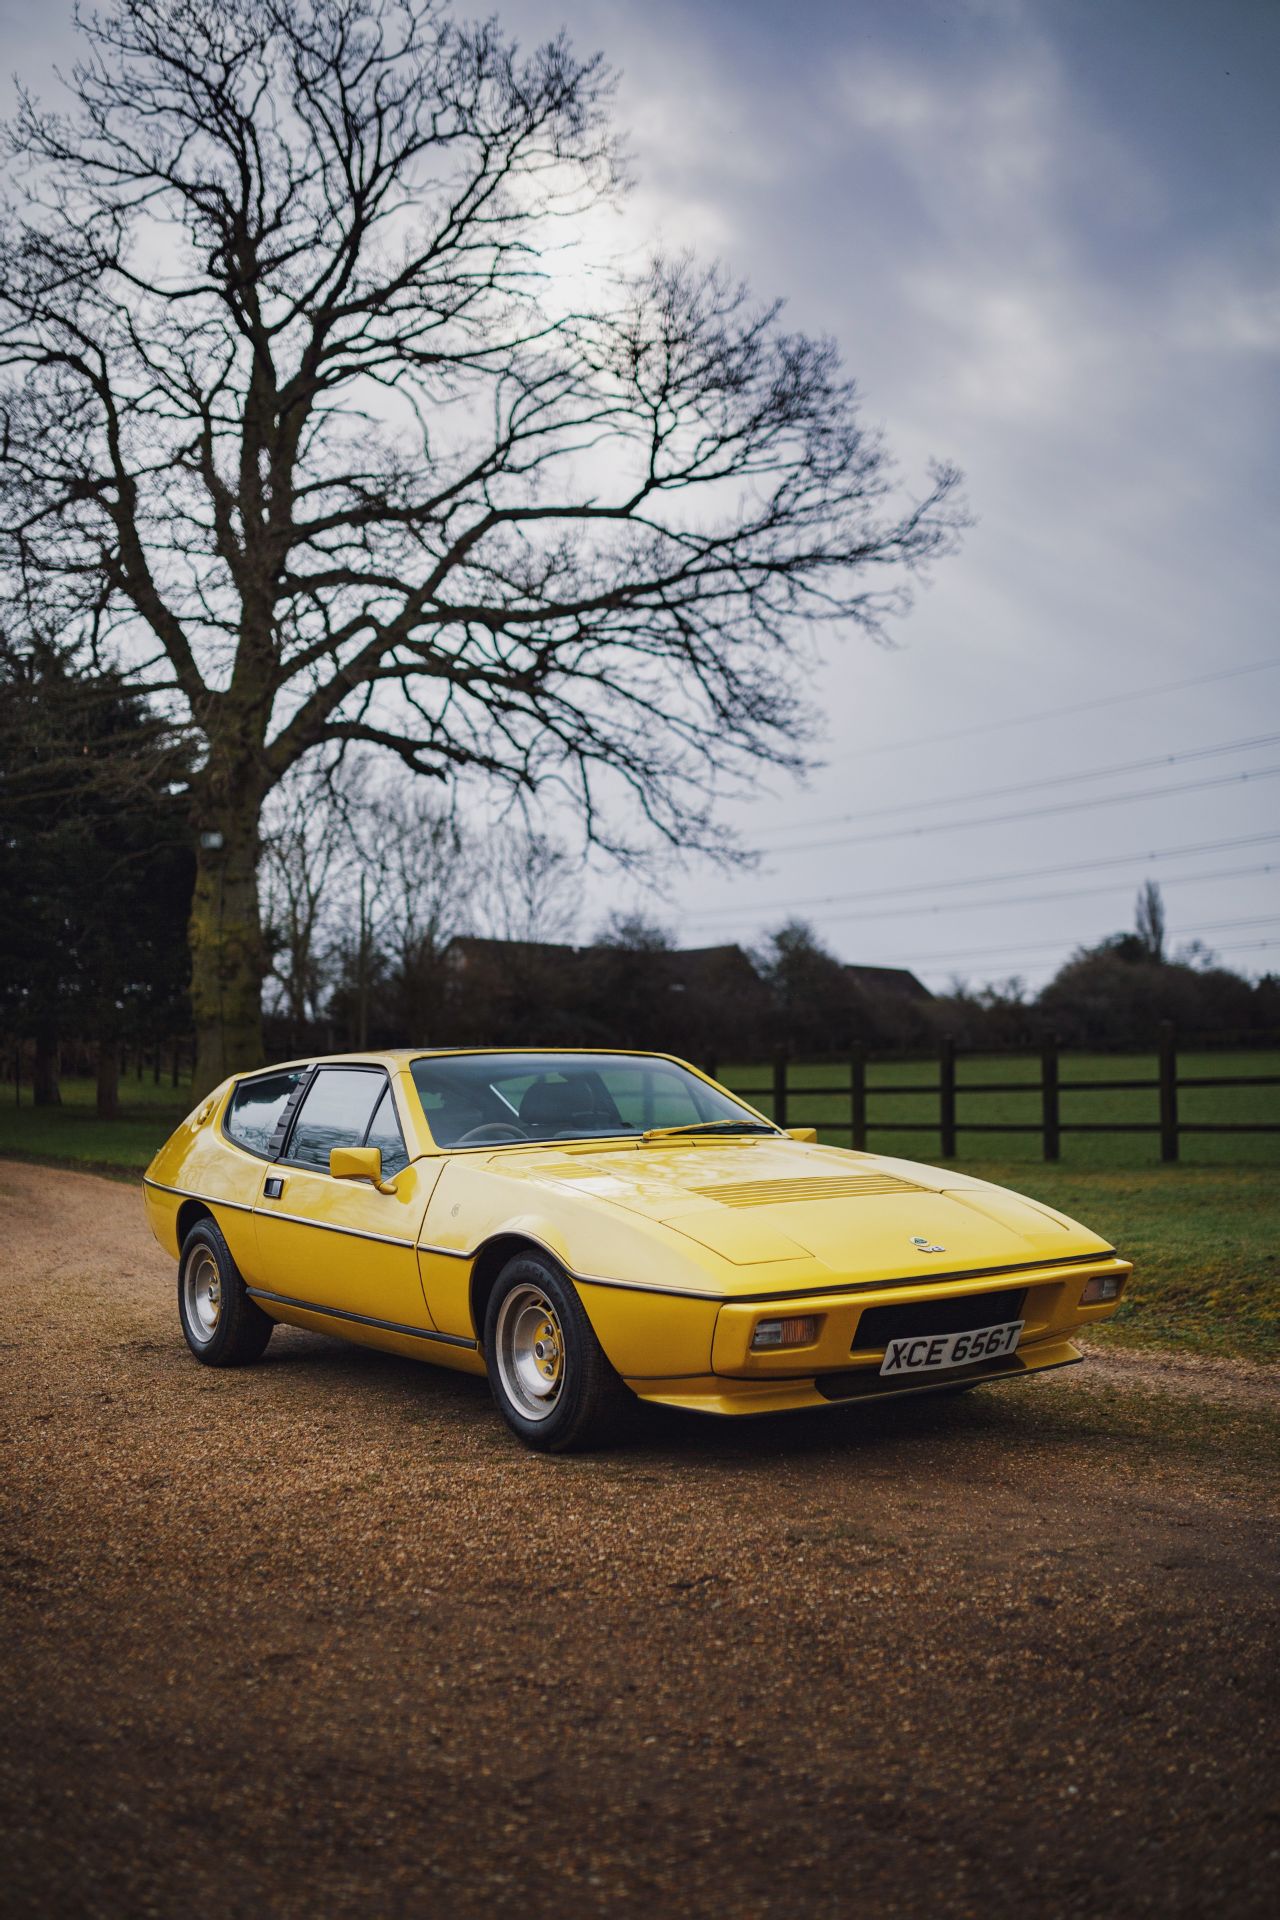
(687, 964)
(897, 980)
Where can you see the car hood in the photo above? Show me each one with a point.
(758, 1201)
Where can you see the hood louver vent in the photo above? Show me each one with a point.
(773, 1193)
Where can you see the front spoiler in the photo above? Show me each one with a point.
(712, 1393)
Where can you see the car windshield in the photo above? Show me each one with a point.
(493, 1099)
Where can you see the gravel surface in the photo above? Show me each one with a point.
(318, 1638)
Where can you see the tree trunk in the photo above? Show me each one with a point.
(47, 1091)
(108, 1077)
(227, 958)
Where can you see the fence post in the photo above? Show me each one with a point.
(1168, 1091)
(780, 1087)
(858, 1095)
(947, 1097)
(1049, 1096)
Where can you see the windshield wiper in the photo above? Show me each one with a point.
(710, 1126)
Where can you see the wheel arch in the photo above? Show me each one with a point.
(188, 1213)
(644, 1333)
(489, 1262)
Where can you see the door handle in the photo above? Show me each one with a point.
(272, 1187)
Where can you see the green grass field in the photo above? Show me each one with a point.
(1205, 1243)
(74, 1133)
(1205, 1234)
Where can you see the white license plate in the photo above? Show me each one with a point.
(927, 1353)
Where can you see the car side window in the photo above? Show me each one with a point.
(335, 1112)
(258, 1106)
(384, 1133)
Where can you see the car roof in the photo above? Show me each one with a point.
(402, 1056)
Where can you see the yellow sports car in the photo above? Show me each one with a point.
(583, 1226)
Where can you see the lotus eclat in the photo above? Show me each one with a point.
(583, 1227)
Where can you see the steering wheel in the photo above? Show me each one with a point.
(494, 1133)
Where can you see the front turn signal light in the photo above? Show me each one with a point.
(798, 1330)
(1103, 1286)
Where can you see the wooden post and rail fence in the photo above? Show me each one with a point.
(787, 1097)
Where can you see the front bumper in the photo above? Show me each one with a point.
(710, 1394)
(836, 1368)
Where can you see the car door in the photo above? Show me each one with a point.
(342, 1245)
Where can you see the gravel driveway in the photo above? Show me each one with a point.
(318, 1638)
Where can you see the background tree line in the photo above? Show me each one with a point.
(379, 904)
(96, 869)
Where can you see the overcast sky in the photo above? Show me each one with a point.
(1047, 238)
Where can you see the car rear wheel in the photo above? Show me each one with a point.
(222, 1326)
(547, 1371)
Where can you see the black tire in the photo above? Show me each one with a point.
(586, 1404)
(222, 1326)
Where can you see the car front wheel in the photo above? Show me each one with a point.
(548, 1373)
(222, 1326)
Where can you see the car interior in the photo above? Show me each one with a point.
(474, 1100)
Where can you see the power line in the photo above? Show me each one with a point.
(1032, 813)
(1027, 786)
(952, 885)
(1011, 957)
(1055, 713)
(1037, 899)
(1047, 946)
(1224, 947)
(1015, 953)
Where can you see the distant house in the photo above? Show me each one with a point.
(467, 951)
(687, 969)
(702, 1002)
(511, 992)
(898, 981)
(699, 1000)
(711, 970)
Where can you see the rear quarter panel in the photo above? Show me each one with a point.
(198, 1161)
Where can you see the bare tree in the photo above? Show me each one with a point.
(309, 845)
(306, 421)
(809, 987)
(635, 932)
(532, 889)
(364, 884)
(429, 869)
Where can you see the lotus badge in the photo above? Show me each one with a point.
(925, 1246)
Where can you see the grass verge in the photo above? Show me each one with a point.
(1204, 1242)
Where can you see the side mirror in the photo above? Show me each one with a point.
(809, 1135)
(359, 1163)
